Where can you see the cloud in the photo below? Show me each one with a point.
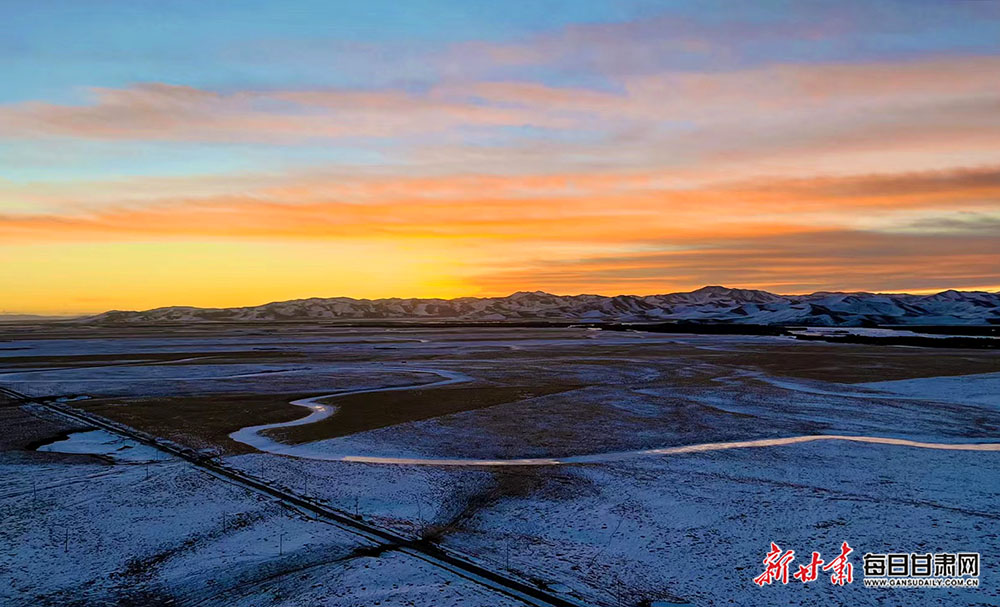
(962, 224)
(793, 235)
(803, 261)
(162, 112)
(811, 118)
(724, 36)
(821, 118)
(792, 146)
(601, 209)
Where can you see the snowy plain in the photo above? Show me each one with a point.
(684, 527)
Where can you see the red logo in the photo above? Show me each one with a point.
(810, 572)
(843, 570)
(777, 561)
(776, 564)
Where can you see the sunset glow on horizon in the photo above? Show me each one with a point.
(176, 153)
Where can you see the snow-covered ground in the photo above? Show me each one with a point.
(872, 332)
(695, 528)
(691, 527)
(982, 389)
(100, 442)
(84, 532)
(628, 519)
(685, 525)
(193, 378)
(593, 527)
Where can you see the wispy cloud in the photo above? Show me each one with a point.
(782, 109)
(804, 146)
(610, 233)
(795, 262)
(165, 112)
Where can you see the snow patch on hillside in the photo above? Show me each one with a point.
(715, 304)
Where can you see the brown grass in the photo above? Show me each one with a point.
(856, 364)
(140, 358)
(22, 429)
(360, 412)
(207, 421)
(842, 363)
(198, 421)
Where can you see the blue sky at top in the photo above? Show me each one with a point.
(489, 146)
(50, 50)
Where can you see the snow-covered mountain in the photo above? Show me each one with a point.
(715, 304)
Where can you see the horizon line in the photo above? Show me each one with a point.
(993, 289)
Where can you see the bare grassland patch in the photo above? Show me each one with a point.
(22, 429)
(12, 363)
(360, 412)
(858, 364)
(464, 503)
(198, 421)
(840, 363)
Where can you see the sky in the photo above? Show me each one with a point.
(234, 153)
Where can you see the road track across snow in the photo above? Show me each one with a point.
(429, 552)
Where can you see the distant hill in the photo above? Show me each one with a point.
(29, 317)
(710, 304)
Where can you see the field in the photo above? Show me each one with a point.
(532, 451)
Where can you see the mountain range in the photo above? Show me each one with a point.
(708, 304)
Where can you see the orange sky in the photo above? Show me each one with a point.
(719, 161)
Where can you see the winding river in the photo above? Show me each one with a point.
(251, 435)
